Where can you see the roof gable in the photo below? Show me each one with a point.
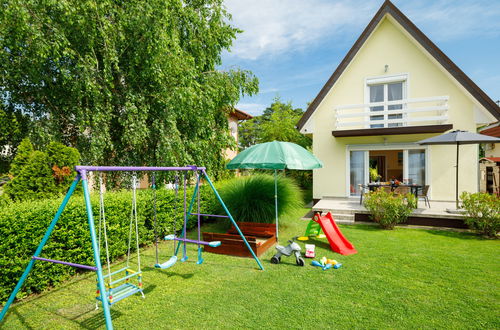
(389, 8)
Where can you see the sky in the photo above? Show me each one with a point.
(293, 46)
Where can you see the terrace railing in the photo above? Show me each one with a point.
(399, 113)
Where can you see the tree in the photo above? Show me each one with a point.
(13, 127)
(276, 123)
(37, 174)
(125, 82)
(23, 155)
(34, 181)
(62, 160)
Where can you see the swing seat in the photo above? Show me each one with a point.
(168, 263)
(214, 243)
(119, 293)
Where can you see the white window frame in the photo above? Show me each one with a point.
(388, 79)
(393, 146)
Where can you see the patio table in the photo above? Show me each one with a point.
(414, 188)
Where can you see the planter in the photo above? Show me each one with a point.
(260, 237)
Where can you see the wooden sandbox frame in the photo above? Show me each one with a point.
(260, 236)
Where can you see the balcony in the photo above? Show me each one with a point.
(408, 116)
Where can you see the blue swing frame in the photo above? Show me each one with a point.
(82, 177)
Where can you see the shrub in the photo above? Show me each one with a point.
(62, 160)
(23, 155)
(251, 198)
(37, 174)
(482, 212)
(389, 209)
(34, 180)
(23, 224)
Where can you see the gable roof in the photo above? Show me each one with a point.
(240, 115)
(389, 8)
(492, 130)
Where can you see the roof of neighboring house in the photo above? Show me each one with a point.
(241, 115)
(493, 159)
(389, 8)
(491, 130)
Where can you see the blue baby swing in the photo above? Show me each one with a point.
(173, 237)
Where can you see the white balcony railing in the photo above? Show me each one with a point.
(408, 112)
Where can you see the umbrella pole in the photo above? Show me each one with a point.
(456, 180)
(276, 201)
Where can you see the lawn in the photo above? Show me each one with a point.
(405, 278)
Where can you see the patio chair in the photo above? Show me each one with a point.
(401, 190)
(362, 189)
(387, 189)
(423, 194)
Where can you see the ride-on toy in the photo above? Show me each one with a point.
(292, 248)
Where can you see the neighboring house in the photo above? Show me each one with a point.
(393, 88)
(234, 118)
(492, 149)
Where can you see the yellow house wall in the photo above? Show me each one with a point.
(388, 45)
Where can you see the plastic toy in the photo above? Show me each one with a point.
(310, 251)
(318, 264)
(338, 242)
(323, 261)
(332, 261)
(292, 248)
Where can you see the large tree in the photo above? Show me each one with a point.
(125, 82)
(277, 122)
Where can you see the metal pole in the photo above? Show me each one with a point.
(231, 218)
(276, 200)
(200, 259)
(40, 247)
(95, 248)
(456, 181)
(191, 204)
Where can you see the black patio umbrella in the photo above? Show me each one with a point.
(459, 137)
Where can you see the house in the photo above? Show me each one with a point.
(234, 118)
(491, 149)
(393, 88)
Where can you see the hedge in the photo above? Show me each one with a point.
(22, 226)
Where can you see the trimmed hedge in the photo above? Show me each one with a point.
(22, 226)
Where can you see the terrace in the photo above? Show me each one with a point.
(350, 211)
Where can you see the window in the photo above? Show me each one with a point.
(386, 95)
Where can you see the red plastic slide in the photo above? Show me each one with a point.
(338, 242)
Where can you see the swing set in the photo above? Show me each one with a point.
(110, 290)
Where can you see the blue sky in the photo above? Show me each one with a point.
(293, 46)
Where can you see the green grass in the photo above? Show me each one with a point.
(405, 278)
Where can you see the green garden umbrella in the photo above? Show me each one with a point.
(275, 156)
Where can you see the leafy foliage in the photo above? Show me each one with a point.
(23, 155)
(22, 226)
(389, 209)
(251, 198)
(276, 123)
(13, 126)
(35, 180)
(482, 212)
(37, 174)
(131, 82)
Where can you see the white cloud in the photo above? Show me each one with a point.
(273, 27)
(451, 20)
(276, 27)
(254, 109)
